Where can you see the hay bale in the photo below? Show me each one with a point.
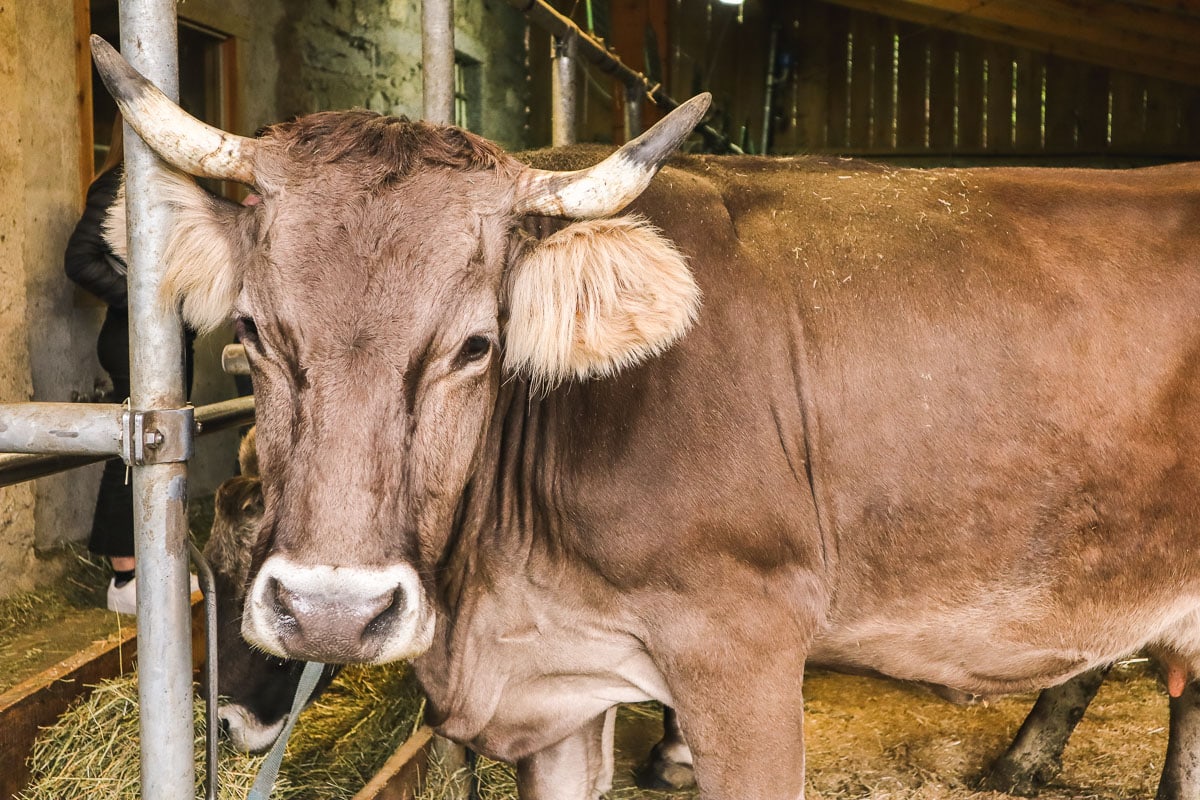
(341, 740)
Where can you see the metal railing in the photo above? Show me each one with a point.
(571, 41)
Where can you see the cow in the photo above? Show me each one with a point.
(257, 690)
(698, 430)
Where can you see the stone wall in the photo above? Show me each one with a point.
(338, 54)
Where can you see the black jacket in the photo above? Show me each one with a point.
(89, 261)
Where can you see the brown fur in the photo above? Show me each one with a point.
(940, 425)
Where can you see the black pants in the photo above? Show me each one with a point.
(112, 524)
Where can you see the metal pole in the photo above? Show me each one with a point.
(562, 90)
(149, 43)
(67, 449)
(437, 56)
(633, 112)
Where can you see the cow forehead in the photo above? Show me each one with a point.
(401, 256)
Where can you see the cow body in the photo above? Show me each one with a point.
(939, 425)
(936, 425)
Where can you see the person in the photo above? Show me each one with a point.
(92, 264)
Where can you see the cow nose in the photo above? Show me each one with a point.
(332, 616)
(339, 614)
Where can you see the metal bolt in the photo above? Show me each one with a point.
(154, 439)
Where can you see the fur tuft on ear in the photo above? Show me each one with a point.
(594, 298)
(202, 271)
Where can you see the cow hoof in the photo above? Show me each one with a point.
(658, 773)
(1023, 779)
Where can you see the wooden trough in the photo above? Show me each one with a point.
(40, 700)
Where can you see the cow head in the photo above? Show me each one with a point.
(256, 689)
(383, 289)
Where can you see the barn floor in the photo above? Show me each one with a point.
(40, 628)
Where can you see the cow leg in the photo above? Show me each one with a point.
(724, 703)
(1035, 756)
(669, 765)
(1181, 770)
(579, 767)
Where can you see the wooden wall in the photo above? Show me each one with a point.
(863, 83)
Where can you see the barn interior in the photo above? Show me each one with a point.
(1111, 84)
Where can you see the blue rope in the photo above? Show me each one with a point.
(264, 783)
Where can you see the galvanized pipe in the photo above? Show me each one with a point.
(149, 43)
(562, 90)
(437, 59)
(19, 468)
(633, 112)
(68, 428)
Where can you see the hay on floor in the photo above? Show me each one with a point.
(341, 740)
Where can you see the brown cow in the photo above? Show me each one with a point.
(939, 425)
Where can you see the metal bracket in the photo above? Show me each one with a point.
(157, 437)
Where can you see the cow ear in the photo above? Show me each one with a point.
(204, 254)
(594, 298)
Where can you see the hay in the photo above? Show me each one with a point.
(339, 742)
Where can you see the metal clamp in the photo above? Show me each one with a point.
(162, 436)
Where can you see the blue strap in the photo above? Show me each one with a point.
(264, 783)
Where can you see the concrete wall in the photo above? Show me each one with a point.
(293, 56)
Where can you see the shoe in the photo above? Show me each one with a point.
(123, 599)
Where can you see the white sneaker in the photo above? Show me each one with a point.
(123, 599)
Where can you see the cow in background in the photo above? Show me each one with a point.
(256, 688)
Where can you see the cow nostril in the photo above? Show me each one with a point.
(223, 726)
(382, 620)
(283, 601)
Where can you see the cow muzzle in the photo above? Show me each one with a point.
(337, 615)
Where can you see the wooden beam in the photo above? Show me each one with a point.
(1185, 7)
(993, 22)
(83, 96)
(1120, 16)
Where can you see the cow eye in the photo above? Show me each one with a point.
(246, 331)
(475, 348)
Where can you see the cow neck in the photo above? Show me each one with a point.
(510, 513)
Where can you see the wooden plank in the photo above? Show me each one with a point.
(1000, 127)
(1063, 92)
(862, 81)
(1152, 61)
(883, 112)
(1162, 117)
(970, 94)
(1028, 79)
(942, 53)
(1093, 110)
(1190, 120)
(83, 94)
(400, 776)
(837, 102)
(1114, 18)
(813, 89)
(1128, 111)
(911, 114)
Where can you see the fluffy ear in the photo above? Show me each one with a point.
(594, 298)
(203, 262)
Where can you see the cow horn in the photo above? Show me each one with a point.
(615, 182)
(178, 137)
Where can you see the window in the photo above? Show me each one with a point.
(466, 93)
